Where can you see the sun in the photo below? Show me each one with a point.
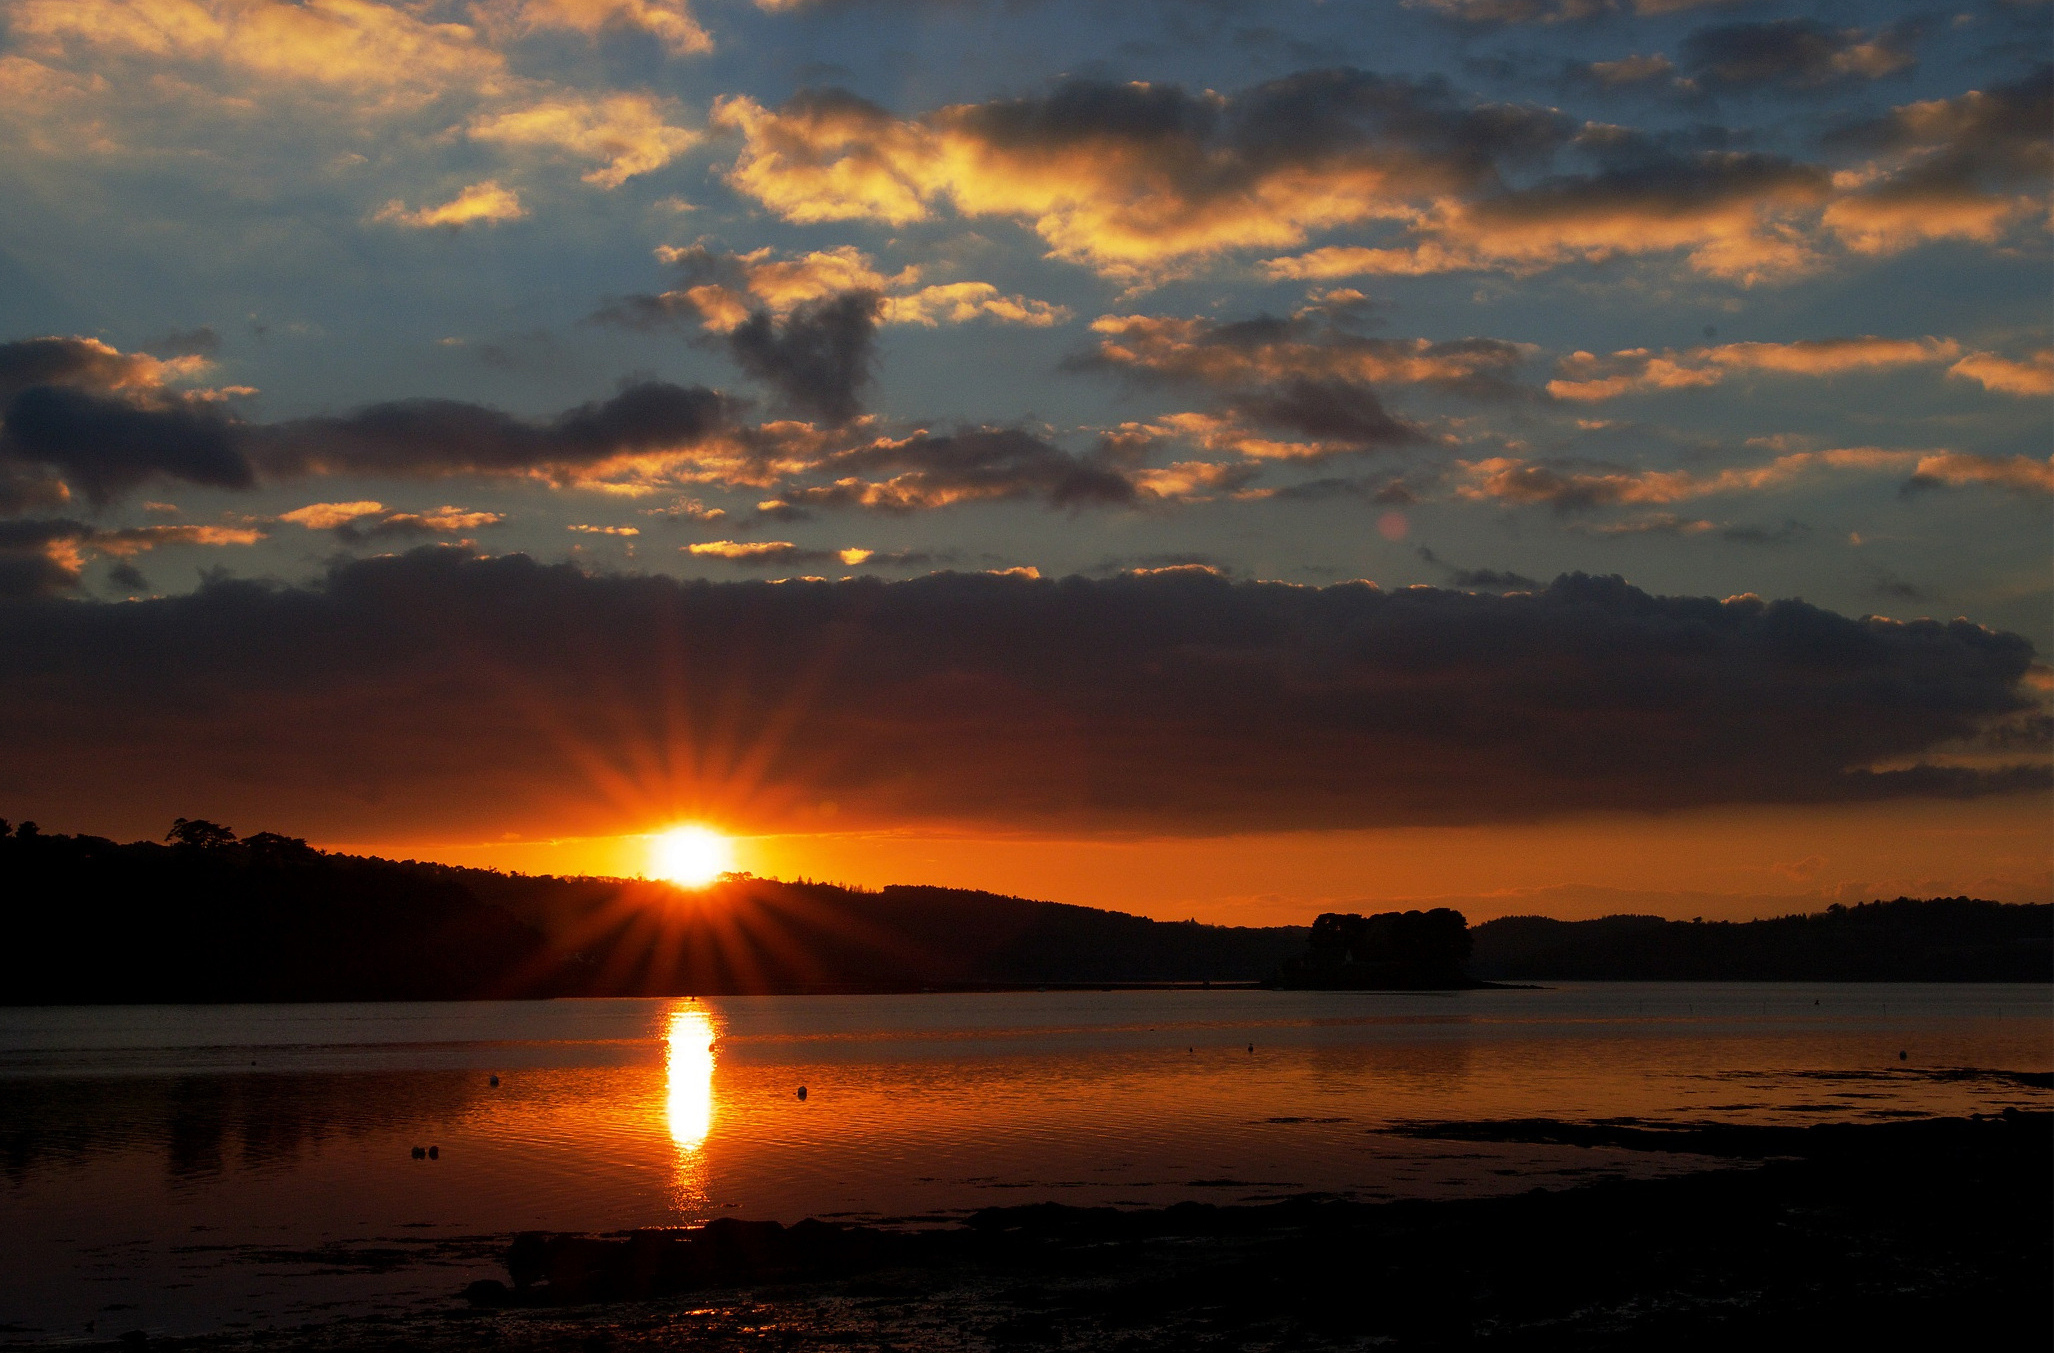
(691, 856)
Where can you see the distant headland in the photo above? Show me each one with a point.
(209, 916)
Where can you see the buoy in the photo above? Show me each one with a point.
(495, 1082)
(1903, 1056)
(802, 1092)
(435, 1153)
(1251, 1047)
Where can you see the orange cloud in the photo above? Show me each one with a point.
(328, 516)
(1517, 480)
(670, 22)
(481, 203)
(961, 302)
(1136, 181)
(1742, 217)
(2020, 474)
(351, 44)
(723, 290)
(1587, 377)
(743, 549)
(627, 133)
(2033, 377)
(91, 364)
(1267, 351)
(128, 541)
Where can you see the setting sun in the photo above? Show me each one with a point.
(691, 856)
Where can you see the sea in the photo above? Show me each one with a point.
(201, 1169)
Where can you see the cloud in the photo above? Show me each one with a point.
(104, 422)
(380, 50)
(328, 516)
(2031, 378)
(433, 438)
(88, 364)
(44, 558)
(1740, 215)
(1266, 351)
(485, 203)
(721, 291)
(929, 470)
(1493, 13)
(1964, 168)
(818, 357)
(1569, 486)
(1306, 376)
(1953, 469)
(1587, 377)
(455, 694)
(1482, 579)
(781, 553)
(628, 134)
(961, 302)
(1137, 181)
(670, 22)
(1627, 70)
(1795, 53)
(105, 445)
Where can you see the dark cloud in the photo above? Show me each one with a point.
(1796, 53)
(431, 437)
(1486, 579)
(1382, 492)
(128, 577)
(39, 558)
(415, 690)
(1333, 411)
(85, 363)
(105, 445)
(931, 470)
(818, 357)
(2000, 135)
(200, 342)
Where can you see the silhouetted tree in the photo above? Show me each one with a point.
(1393, 948)
(199, 833)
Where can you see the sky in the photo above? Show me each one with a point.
(1204, 458)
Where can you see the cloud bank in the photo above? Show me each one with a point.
(452, 693)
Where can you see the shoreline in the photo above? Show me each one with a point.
(1934, 1230)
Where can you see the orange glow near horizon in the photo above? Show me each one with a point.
(688, 1078)
(1722, 864)
(691, 856)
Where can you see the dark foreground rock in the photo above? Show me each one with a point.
(1905, 1235)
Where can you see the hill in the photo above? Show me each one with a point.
(212, 918)
(1949, 939)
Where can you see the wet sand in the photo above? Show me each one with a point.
(1931, 1233)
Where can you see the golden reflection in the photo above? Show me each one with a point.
(688, 1102)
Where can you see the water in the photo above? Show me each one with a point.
(185, 1169)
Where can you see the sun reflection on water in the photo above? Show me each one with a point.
(688, 1101)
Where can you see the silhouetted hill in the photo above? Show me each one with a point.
(1949, 939)
(268, 919)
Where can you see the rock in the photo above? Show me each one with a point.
(489, 1292)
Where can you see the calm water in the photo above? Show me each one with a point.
(193, 1168)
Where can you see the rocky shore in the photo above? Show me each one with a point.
(1927, 1233)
